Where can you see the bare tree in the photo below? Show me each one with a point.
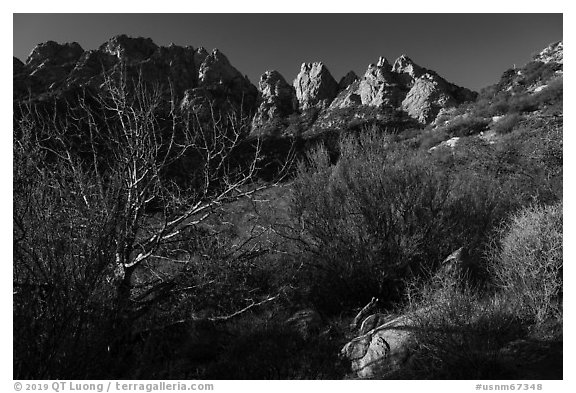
(118, 149)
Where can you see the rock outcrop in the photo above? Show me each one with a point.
(315, 86)
(363, 313)
(553, 53)
(277, 99)
(405, 86)
(52, 53)
(191, 75)
(91, 68)
(128, 48)
(215, 70)
(200, 55)
(196, 75)
(378, 87)
(425, 99)
(372, 322)
(50, 63)
(220, 83)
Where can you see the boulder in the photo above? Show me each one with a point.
(366, 310)
(315, 86)
(373, 321)
(381, 350)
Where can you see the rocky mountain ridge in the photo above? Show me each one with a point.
(404, 87)
(398, 90)
(54, 69)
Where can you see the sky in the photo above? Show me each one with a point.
(471, 50)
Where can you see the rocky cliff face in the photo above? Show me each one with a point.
(130, 49)
(315, 86)
(49, 63)
(277, 99)
(196, 75)
(378, 87)
(53, 69)
(219, 82)
(404, 86)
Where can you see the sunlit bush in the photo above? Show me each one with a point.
(528, 264)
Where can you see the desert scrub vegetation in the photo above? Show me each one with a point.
(465, 332)
(458, 331)
(507, 123)
(127, 263)
(527, 264)
(383, 212)
(356, 216)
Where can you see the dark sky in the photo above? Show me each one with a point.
(471, 50)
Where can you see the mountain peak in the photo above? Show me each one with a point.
(404, 64)
(315, 85)
(383, 62)
(54, 53)
(125, 47)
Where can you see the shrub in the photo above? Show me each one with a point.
(551, 96)
(466, 125)
(368, 219)
(384, 213)
(538, 71)
(507, 124)
(431, 138)
(458, 332)
(528, 264)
